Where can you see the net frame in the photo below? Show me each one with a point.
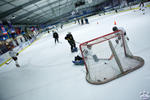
(126, 49)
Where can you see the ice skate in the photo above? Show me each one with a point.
(17, 65)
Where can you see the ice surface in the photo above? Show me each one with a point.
(47, 72)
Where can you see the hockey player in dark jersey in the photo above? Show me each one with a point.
(56, 36)
(71, 41)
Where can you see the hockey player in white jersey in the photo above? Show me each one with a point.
(142, 8)
(88, 54)
(115, 28)
(14, 55)
(119, 38)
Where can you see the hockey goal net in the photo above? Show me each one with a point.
(108, 57)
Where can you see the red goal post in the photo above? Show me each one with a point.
(108, 57)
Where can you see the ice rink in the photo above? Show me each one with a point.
(47, 71)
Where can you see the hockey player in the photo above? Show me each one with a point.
(71, 41)
(78, 21)
(87, 51)
(118, 41)
(14, 55)
(115, 28)
(56, 36)
(142, 7)
(88, 54)
(86, 20)
(61, 26)
(78, 57)
(78, 60)
(82, 21)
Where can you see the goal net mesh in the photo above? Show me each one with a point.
(108, 57)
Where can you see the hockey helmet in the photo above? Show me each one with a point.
(114, 28)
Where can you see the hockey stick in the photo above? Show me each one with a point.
(77, 42)
(8, 62)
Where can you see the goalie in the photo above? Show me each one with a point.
(78, 60)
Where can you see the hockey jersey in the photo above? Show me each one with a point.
(12, 53)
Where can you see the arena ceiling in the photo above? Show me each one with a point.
(36, 12)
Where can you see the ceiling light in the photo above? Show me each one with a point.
(28, 19)
(13, 17)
